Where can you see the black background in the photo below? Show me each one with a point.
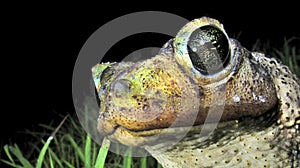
(40, 44)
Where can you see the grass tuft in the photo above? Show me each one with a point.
(69, 148)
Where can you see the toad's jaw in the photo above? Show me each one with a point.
(129, 137)
(168, 135)
(133, 138)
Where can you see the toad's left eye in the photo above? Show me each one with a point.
(208, 49)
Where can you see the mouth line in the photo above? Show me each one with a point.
(173, 130)
(170, 130)
(134, 132)
(128, 137)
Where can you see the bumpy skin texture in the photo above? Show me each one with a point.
(247, 106)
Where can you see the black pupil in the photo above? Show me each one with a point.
(208, 48)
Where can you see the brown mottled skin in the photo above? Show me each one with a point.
(245, 104)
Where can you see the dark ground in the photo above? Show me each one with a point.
(41, 45)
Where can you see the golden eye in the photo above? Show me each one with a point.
(204, 50)
(208, 49)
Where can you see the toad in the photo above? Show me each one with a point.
(203, 101)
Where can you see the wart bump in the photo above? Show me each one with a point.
(236, 98)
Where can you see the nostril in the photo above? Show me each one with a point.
(120, 87)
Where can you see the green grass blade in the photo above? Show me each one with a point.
(69, 165)
(11, 164)
(55, 158)
(77, 159)
(43, 152)
(127, 159)
(17, 152)
(50, 160)
(94, 153)
(102, 153)
(6, 150)
(76, 147)
(87, 152)
(46, 145)
(143, 162)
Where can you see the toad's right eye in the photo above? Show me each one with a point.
(204, 51)
(208, 49)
